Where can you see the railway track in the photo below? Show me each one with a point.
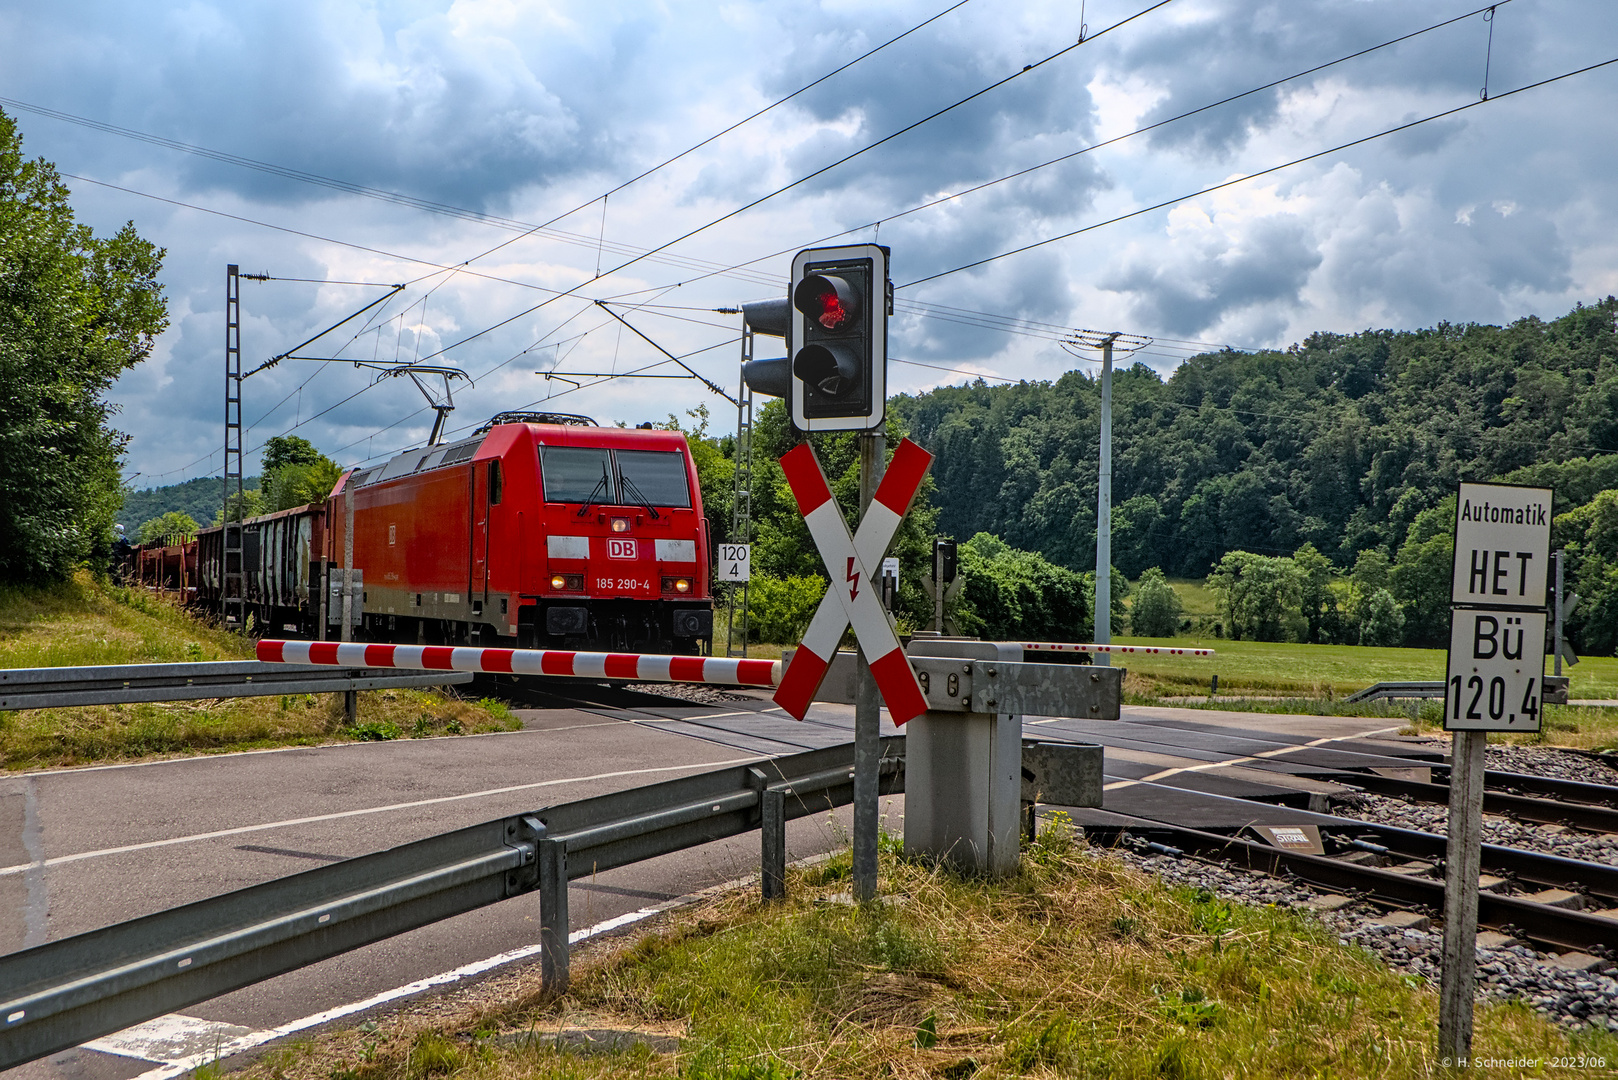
(1534, 799)
(1403, 868)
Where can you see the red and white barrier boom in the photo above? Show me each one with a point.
(636, 667)
(1152, 650)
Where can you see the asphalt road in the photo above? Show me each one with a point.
(80, 849)
(84, 848)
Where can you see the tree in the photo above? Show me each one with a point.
(1319, 599)
(251, 504)
(300, 484)
(1381, 621)
(174, 523)
(76, 311)
(1589, 535)
(1157, 610)
(295, 473)
(1119, 614)
(283, 450)
(1260, 597)
(1421, 575)
(1018, 595)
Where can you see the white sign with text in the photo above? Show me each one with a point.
(735, 562)
(1502, 546)
(1496, 671)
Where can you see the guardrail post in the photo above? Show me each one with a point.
(553, 915)
(351, 707)
(773, 833)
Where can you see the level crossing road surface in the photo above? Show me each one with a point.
(84, 848)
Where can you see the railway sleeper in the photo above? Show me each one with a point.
(1538, 811)
(1556, 928)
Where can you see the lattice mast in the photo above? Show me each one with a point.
(232, 599)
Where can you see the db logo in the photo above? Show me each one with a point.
(621, 549)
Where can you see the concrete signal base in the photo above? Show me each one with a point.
(969, 774)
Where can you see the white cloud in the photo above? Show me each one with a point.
(530, 108)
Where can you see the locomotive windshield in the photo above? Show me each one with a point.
(581, 474)
(659, 475)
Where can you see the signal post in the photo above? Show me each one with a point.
(834, 378)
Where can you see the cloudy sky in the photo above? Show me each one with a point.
(463, 148)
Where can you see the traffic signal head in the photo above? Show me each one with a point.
(837, 337)
(945, 559)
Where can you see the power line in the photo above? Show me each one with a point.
(1097, 146)
(431, 206)
(818, 172)
(1256, 175)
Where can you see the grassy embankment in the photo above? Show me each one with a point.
(1079, 966)
(88, 622)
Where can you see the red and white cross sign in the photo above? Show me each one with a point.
(851, 598)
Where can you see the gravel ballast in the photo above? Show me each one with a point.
(1512, 971)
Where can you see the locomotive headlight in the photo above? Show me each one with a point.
(620, 524)
(677, 585)
(567, 582)
(558, 582)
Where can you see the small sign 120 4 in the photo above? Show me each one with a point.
(735, 562)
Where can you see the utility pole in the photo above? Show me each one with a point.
(1556, 609)
(867, 707)
(1103, 612)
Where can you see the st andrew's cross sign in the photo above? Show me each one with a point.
(851, 598)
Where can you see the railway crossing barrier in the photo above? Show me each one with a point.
(66, 992)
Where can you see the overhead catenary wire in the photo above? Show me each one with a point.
(1255, 175)
(810, 176)
(1265, 172)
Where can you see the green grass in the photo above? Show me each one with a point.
(87, 622)
(1335, 670)
(1076, 967)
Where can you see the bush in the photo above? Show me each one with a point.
(1157, 611)
(1011, 594)
(779, 609)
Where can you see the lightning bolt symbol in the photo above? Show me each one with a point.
(853, 580)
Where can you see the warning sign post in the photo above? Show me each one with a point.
(1494, 682)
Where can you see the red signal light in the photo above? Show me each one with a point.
(832, 312)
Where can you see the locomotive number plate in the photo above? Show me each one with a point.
(636, 586)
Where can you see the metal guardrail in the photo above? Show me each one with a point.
(50, 688)
(1391, 691)
(58, 995)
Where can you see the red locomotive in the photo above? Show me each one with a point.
(541, 530)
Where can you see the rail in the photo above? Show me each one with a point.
(1555, 926)
(66, 992)
(60, 687)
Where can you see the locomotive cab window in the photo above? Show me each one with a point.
(579, 474)
(494, 483)
(656, 477)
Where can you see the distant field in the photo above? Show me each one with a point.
(1318, 670)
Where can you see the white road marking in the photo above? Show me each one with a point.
(177, 1065)
(1164, 774)
(242, 829)
(174, 1037)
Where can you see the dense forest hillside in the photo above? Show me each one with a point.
(201, 498)
(1340, 441)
